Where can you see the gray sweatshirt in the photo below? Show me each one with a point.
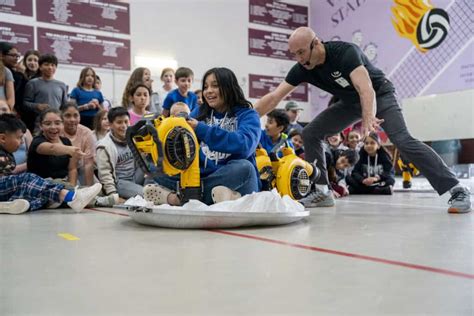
(52, 92)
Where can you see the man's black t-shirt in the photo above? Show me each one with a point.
(48, 166)
(333, 75)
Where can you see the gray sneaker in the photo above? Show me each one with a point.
(460, 200)
(106, 201)
(318, 198)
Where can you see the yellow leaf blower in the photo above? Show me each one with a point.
(290, 174)
(167, 146)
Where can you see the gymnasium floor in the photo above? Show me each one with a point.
(369, 255)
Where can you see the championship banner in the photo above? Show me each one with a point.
(21, 36)
(18, 7)
(278, 14)
(85, 49)
(260, 85)
(102, 15)
(269, 44)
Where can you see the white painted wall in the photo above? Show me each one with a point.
(441, 117)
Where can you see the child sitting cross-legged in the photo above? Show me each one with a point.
(374, 173)
(115, 162)
(338, 162)
(27, 191)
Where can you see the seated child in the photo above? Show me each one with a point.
(179, 107)
(335, 141)
(51, 155)
(374, 173)
(115, 163)
(22, 152)
(353, 140)
(21, 192)
(297, 141)
(228, 130)
(272, 138)
(338, 162)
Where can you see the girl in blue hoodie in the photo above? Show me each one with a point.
(229, 131)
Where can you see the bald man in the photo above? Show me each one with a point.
(365, 93)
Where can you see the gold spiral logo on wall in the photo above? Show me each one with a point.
(417, 20)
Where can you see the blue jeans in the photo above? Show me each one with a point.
(238, 175)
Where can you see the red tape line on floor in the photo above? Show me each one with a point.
(333, 252)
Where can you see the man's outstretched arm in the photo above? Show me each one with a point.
(269, 101)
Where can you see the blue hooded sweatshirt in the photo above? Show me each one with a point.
(227, 136)
(268, 144)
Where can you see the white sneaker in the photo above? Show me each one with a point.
(84, 196)
(14, 207)
(221, 193)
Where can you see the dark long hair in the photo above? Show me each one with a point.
(229, 89)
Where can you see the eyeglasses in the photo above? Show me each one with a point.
(14, 55)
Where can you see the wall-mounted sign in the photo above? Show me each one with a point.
(259, 85)
(21, 36)
(268, 44)
(19, 7)
(277, 13)
(102, 15)
(85, 49)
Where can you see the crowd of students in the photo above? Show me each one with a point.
(79, 138)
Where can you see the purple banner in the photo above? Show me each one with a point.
(260, 85)
(104, 15)
(268, 44)
(426, 46)
(19, 35)
(85, 49)
(19, 7)
(279, 14)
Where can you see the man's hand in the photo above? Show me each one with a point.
(370, 124)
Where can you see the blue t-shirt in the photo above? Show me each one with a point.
(83, 97)
(174, 96)
(268, 145)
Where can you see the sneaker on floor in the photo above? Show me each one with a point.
(53, 205)
(84, 196)
(221, 193)
(17, 206)
(318, 198)
(107, 201)
(156, 193)
(460, 200)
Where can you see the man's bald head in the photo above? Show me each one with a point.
(300, 37)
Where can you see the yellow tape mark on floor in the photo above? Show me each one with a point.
(68, 236)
